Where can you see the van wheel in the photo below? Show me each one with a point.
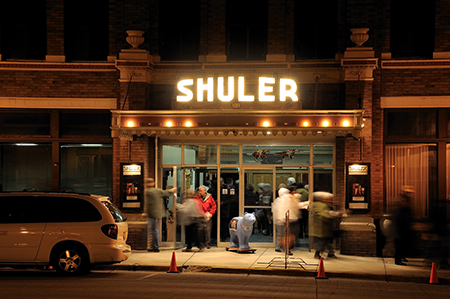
(71, 260)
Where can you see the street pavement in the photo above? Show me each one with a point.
(266, 261)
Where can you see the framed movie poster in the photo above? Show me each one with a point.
(132, 185)
(358, 187)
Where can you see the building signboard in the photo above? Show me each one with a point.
(269, 89)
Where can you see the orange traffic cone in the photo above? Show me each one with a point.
(173, 265)
(433, 276)
(321, 272)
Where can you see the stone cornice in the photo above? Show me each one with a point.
(58, 103)
(46, 66)
(415, 64)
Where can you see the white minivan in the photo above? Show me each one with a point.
(70, 232)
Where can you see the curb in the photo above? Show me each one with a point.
(279, 272)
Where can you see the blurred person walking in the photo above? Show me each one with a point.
(283, 203)
(155, 210)
(403, 219)
(321, 216)
(191, 215)
(303, 220)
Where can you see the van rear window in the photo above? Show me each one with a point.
(115, 212)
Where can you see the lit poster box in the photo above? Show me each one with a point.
(358, 187)
(131, 191)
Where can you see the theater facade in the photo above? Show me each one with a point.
(238, 96)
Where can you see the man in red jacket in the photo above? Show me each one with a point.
(209, 208)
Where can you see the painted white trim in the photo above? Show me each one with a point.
(416, 102)
(58, 103)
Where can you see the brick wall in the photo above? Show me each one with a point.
(55, 27)
(276, 28)
(59, 84)
(358, 242)
(125, 151)
(216, 29)
(442, 27)
(415, 82)
(137, 235)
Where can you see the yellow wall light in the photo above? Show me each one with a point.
(346, 123)
(325, 123)
(188, 124)
(130, 124)
(266, 124)
(169, 124)
(305, 123)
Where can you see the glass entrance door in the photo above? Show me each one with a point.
(172, 235)
(184, 178)
(258, 192)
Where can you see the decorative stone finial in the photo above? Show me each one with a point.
(359, 36)
(135, 38)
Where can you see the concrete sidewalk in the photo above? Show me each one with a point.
(268, 261)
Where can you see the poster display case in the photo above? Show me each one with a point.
(132, 186)
(358, 187)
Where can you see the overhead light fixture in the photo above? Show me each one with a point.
(26, 144)
(91, 145)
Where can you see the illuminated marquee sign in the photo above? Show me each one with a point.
(131, 169)
(356, 169)
(266, 90)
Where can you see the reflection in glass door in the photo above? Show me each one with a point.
(258, 198)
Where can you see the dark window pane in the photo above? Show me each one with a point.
(413, 123)
(412, 29)
(238, 43)
(86, 29)
(179, 30)
(86, 168)
(23, 29)
(316, 29)
(25, 166)
(39, 209)
(24, 123)
(247, 29)
(448, 124)
(62, 209)
(78, 123)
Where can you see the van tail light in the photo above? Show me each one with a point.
(110, 230)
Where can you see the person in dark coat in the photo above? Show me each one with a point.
(321, 216)
(403, 219)
(155, 209)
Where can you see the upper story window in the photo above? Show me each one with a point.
(415, 123)
(316, 24)
(86, 29)
(23, 27)
(247, 29)
(179, 30)
(412, 29)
